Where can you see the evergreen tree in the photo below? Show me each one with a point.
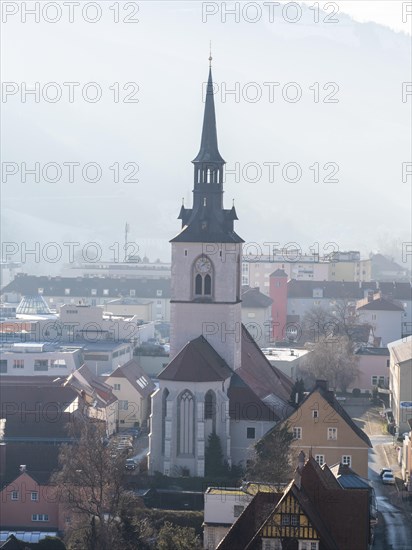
(214, 463)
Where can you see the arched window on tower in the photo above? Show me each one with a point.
(198, 285)
(164, 414)
(208, 285)
(186, 423)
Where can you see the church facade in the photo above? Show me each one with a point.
(217, 380)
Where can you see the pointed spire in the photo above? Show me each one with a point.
(209, 151)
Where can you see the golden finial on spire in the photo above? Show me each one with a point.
(210, 54)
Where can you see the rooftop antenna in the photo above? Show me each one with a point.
(126, 231)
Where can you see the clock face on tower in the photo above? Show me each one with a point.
(203, 265)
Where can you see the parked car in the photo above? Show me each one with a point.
(388, 478)
(385, 470)
(130, 464)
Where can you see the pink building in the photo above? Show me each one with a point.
(373, 368)
(29, 504)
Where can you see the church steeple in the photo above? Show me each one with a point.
(207, 220)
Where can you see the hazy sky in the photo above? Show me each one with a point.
(312, 99)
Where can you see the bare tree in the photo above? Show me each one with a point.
(90, 485)
(331, 359)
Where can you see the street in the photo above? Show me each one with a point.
(394, 529)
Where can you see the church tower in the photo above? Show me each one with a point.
(206, 256)
(205, 335)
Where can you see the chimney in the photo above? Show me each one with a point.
(322, 384)
(22, 468)
(301, 460)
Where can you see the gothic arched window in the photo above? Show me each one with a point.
(203, 277)
(186, 423)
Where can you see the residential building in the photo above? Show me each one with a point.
(383, 316)
(39, 359)
(373, 365)
(400, 382)
(406, 457)
(97, 398)
(29, 502)
(217, 380)
(133, 388)
(314, 512)
(322, 425)
(287, 360)
(133, 268)
(384, 268)
(257, 315)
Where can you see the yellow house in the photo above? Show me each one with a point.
(132, 387)
(324, 429)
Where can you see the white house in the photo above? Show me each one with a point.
(400, 382)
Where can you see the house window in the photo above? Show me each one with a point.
(18, 363)
(285, 519)
(297, 433)
(132, 292)
(105, 292)
(94, 291)
(320, 459)
(34, 495)
(14, 495)
(271, 544)
(237, 510)
(124, 405)
(332, 433)
(185, 252)
(40, 517)
(374, 380)
(41, 364)
(381, 381)
(294, 520)
(67, 291)
(308, 545)
(347, 460)
(40, 290)
(116, 386)
(159, 292)
(250, 433)
(3, 366)
(315, 414)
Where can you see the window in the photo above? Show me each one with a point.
(61, 363)
(105, 292)
(237, 510)
(94, 291)
(210, 405)
(18, 363)
(132, 292)
(294, 520)
(40, 290)
(381, 381)
(285, 519)
(347, 460)
(186, 423)
(34, 495)
(297, 433)
(67, 291)
(271, 544)
(374, 380)
(332, 433)
(250, 433)
(124, 405)
(320, 459)
(116, 386)
(185, 252)
(40, 517)
(159, 292)
(3, 366)
(308, 545)
(41, 364)
(14, 495)
(315, 414)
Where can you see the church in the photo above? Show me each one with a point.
(217, 380)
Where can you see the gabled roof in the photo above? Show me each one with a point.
(380, 304)
(136, 376)
(347, 478)
(329, 396)
(244, 404)
(279, 273)
(349, 290)
(196, 362)
(83, 380)
(252, 297)
(266, 380)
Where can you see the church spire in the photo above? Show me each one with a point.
(207, 220)
(209, 163)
